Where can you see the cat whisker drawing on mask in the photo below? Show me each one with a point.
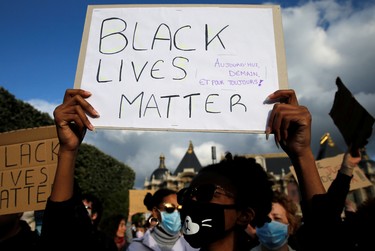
(216, 207)
(236, 192)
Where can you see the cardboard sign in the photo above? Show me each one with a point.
(28, 160)
(182, 67)
(328, 169)
(136, 198)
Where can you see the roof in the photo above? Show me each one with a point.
(274, 162)
(327, 148)
(162, 170)
(189, 160)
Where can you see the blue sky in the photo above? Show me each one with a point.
(40, 43)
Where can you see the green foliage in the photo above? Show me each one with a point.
(15, 114)
(96, 172)
(104, 176)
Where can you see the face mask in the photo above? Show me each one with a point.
(171, 222)
(203, 223)
(139, 234)
(273, 234)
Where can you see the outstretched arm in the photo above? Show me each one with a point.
(291, 125)
(71, 124)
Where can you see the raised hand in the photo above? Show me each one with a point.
(289, 122)
(71, 118)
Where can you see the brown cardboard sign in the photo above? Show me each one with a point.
(136, 198)
(328, 169)
(28, 160)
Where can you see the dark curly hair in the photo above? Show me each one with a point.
(253, 188)
(151, 201)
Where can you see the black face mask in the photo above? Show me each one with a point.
(203, 223)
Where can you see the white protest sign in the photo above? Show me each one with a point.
(181, 67)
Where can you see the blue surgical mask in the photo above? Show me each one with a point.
(273, 234)
(171, 222)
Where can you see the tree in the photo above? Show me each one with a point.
(96, 172)
(16, 114)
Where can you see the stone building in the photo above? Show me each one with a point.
(277, 166)
(162, 177)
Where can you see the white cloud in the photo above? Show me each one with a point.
(42, 106)
(323, 40)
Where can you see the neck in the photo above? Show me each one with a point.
(226, 243)
(284, 247)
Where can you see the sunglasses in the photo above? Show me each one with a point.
(202, 193)
(170, 208)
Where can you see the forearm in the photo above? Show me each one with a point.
(64, 178)
(308, 176)
(348, 164)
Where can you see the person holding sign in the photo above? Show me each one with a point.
(235, 192)
(288, 121)
(67, 222)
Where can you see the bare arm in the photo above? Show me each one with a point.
(71, 124)
(291, 125)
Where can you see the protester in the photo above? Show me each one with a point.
(289, 122)
(284, 223)
(67, 224)
(94, 208)
(115, 227)
(218, 206)
(165, 235)
(335, 233)
(361, 226)
(235, 192)
(140, 231)
(16, 234)
(150, 222)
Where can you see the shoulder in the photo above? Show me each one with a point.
(137, 245)
(257, 248)
(182, 244)
(290, 248)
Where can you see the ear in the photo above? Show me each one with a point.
(245, 217)
(155, 213)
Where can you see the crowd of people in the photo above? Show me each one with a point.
(230, 205)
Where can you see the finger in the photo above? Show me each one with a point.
(282, 96)
(273, 121)
(285, 123)
(70, 93)
(82, 107)
(85, 106)
(293, 116)
(281, 117)
(77, 114)
(75, 110)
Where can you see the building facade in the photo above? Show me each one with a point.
(186, 170)
(277, 165)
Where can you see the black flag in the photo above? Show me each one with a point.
(353, 121)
